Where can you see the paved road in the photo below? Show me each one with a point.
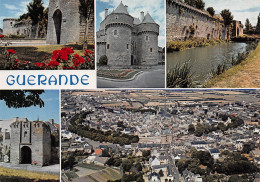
(147, 79)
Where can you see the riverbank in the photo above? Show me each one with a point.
(244, 75)
(191, 43)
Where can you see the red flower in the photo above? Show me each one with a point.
(79, 58)
(88, 59)
(11, 51)
(25, 62)
(41, 65)
(1, 36)
(55, 55)
(67, 50)
(53, 64)
(76, 62)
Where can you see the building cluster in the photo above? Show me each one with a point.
(162, 126)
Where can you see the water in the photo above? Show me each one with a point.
(204, 59)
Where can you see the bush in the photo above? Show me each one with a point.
(103, 60)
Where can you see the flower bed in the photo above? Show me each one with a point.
(63, 59)
(117, 74)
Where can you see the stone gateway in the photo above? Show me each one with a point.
(66, 25)
(30, 143)
(127, 40)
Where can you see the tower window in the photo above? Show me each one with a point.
(151, 49)
(25, 133)
(116, 17)
(115, 32)
(127, 46)
(107, 46)
(147, 38)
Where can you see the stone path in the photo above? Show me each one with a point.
(147, 79)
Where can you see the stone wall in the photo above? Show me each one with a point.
(183, 21)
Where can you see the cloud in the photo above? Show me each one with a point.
(156, 8)
(10, 7)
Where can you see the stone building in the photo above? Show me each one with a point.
(184, 21)
(237, 28)
(66, 25)
(30, 143)
(24, 28)
(127, 40)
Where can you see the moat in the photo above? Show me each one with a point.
(203, 60)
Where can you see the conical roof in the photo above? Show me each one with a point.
(121, 9)
(148, 19)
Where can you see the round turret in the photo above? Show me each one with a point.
(148, 32)
(118, 28)
(8, 26)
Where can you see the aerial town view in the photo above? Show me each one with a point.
(130, 44)
(213, 44)
(29, 136)
(160, 135)
(47, 35)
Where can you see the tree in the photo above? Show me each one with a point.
(22, 98)
(211, 11)
(249, 27)
(200, 4)
(35, 11)
(139, 167)
(227, 16)
(191, 128)
(71, 161)
(146, 153)
(258, 24)
(86, 9)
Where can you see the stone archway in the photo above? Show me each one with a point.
(57, 18)
(26, 155)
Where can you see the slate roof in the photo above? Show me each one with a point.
(148, 19)
(121, 9)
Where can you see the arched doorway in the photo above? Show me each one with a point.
(26, 155)
(57, 18)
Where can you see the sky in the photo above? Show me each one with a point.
(15, 8)
(156, 9)
(241, 9)
(51, 109)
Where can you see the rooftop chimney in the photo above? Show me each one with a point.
(142, 16)
(106, 13)
(126, 7)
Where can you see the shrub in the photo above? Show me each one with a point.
(103, 60)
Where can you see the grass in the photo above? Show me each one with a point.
(91, 166)
(191, 43)
(244, 75)
(22, 175)
(180, 76)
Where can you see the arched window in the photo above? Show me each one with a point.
(115, 32)
(25, 133)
